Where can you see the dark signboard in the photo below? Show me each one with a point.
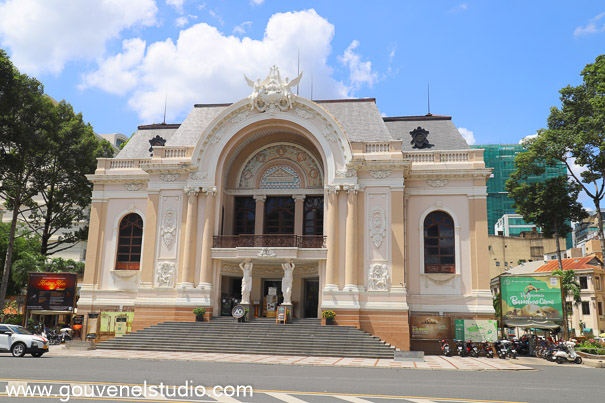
(238, 311)
(51, 292)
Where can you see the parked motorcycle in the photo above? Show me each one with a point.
(500, 349)
(460, 348)
(487, 347)
(445, 348)
(511, 350)
(472, 349)
(567, 354)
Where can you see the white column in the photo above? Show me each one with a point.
(259, 216)
(206, 269)
(331, 283)
(351, 239)
(189, 252)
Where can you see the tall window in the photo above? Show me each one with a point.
(244, 215)
(129, 242)
(439, 243)
(279, 215)
(314, 215)
(583, 283)
(585, 308)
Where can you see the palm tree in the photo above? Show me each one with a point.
(570, 286)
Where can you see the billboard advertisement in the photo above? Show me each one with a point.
(430, 327)
(51, 292)
(531, 298)
(476, 330)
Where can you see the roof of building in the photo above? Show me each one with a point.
(579, 263)
(527, 267)
(443, 135)
(360, 119)
(138, 145)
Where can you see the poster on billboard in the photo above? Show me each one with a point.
(531, 299)
(430, 327)
(51, 292)
(476, 330)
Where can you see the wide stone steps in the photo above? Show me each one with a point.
(261, 336)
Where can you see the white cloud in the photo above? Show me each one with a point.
(184, 70)
(176, 4)
(257, 2)
(43, 35)
(118, 74)
(468, 135)
(594, 26)
(526, 138)
(181, 21)
(459, 7)
(241, 28)
(360, 72)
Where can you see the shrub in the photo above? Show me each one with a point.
(199, 311)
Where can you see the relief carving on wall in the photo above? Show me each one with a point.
(380, 174)
(266, 252)
(198, 175)
(164, 274)
(169, 177)
(133, 187)
(378, 226)
(437, 183)
(168, 229)
(346, 173)
(378, 279)
(303, 113)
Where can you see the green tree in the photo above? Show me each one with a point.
(570, 286)
(65, 190)
(24, 115)
(577, 130)
(26, 244)
(551, 204)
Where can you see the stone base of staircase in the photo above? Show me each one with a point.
(261, 336)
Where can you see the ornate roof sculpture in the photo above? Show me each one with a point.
(272, 93)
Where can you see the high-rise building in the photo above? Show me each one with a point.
(501, 157)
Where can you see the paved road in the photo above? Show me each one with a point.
(295, 384)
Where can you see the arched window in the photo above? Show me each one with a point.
(129, 242)
(439, 243)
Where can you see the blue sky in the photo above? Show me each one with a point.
(495, 66)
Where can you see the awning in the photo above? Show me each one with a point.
(536, 323)
(587, 330)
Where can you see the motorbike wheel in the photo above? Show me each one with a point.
(501, 356)
(578, 360)
(560, 360)
(513, 356)
(474, 354)
(490, 355)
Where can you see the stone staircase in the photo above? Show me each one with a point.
(260, 336)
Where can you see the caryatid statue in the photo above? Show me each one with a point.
(246, 267)
(286, 282)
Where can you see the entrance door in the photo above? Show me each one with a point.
(311, 297)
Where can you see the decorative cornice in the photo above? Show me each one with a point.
(299, 197)
(332, 188)
(258, 198)
(209, 191)
(351, 189)
(133, 186)
(191, 190)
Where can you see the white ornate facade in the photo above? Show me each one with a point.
(328, 193)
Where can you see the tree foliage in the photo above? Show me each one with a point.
(577, 130)
(551, 204)
(570, 286)
(45, 152)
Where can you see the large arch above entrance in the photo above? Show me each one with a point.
(313, 122)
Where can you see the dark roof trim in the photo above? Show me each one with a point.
(335, 101)
(412, 118)
(211, 105)
(156, 126)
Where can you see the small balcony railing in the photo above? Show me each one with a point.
(277, 241)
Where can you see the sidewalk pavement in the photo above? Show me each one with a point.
(433, 362)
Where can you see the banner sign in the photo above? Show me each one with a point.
(476, 330)
(51, 292)
(531, 298)
(430, 327)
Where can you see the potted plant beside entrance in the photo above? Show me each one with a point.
(328, 317)
(199, 314)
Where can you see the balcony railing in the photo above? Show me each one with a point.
(277, 241)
